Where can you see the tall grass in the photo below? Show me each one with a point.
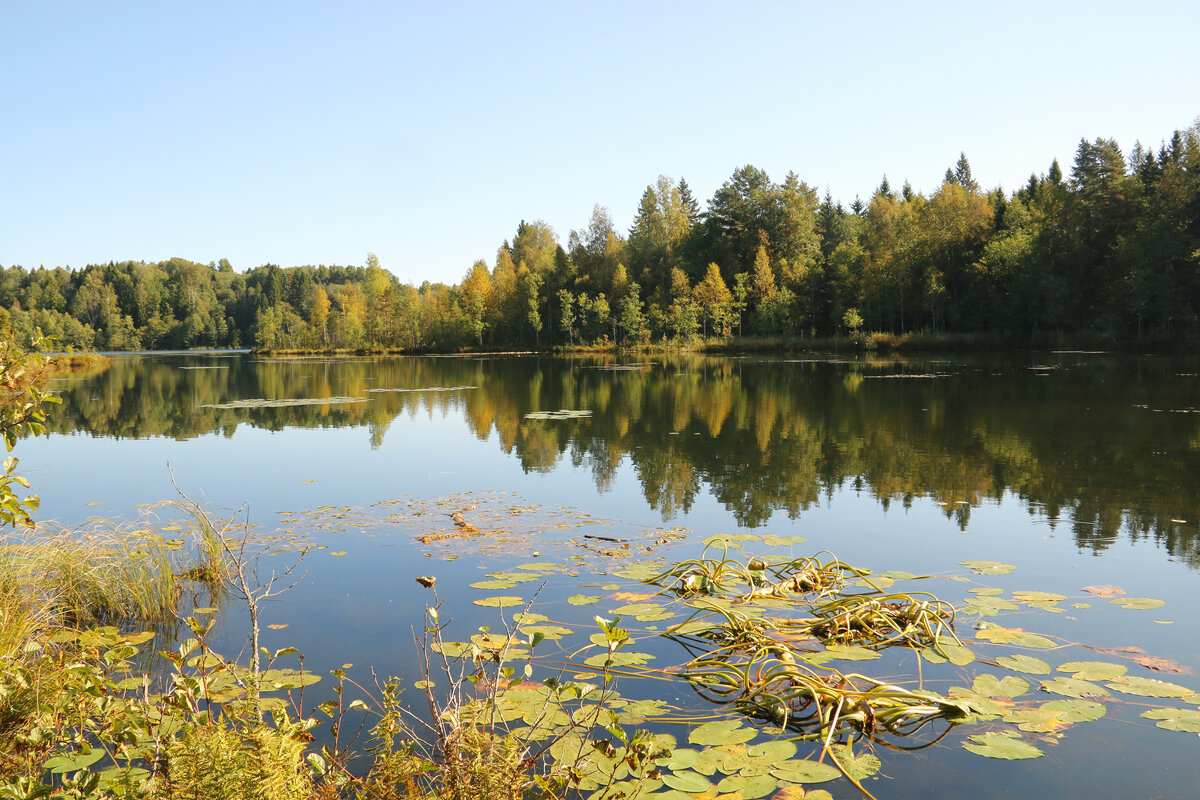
(111, 574)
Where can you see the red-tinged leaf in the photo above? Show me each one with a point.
(1105, 590)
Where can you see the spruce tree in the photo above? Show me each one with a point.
(690, 206)
(962, 174)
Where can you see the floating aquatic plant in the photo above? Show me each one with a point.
(259, 402)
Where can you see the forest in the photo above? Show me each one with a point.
(1109, 252)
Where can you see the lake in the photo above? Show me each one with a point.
(1074, 469)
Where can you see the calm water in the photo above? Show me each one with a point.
(1080, 469)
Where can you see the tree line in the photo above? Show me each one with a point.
(1110, 250)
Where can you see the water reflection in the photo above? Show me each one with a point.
(1108, 446)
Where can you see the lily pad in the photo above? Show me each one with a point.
(1138, 603)
(988, 567)
(503, 601)
(859, 767)
(1055, 715)
(726, 731)
(619, 659)
(1093, 670)
(1104, 590)
(795, 792)
(687, 781)
(260, 402)
(1002, 744)
(1015, 636)
(771, 540)
(1073, 687)
(1009, 686)
(957, 654)
(1018, 662)
(583, 599)
(799, 771)
(493, 585)
(1176, 719)
(748, 787)
(1147, 687)
(776, 751)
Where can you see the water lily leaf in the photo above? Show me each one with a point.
(515, 577)
(898, 575)
(1015, 636)
(958, 655)
(1046, 601)
(1009, 686)
(859, 767)
(644, 708)
(776, 751)
(988, 606)
(1104, 590)
(1019, 662)
(800, 771)
(1138, 603)
(1073, 687)
(1002, 744)
(933, 656)
(1055, 715)
(259, 402)
(986, 591)
(500, 602)
(493, 585)
(722, 540)
(690, 627)
(540, 566)
(639, 572)
(687, 781)
(1093, 670)
(1147, 687)
(550, 632)
(1176, 719)
(288, 678)
(988, 567)
(1038, 597)
(452, 649)
(726, 731)
(633, 597)
(682, 758)
(771, 540)
(795, 792)
(583, 599)
(748, 787)
(620, 658)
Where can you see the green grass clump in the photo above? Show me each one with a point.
(108, 574)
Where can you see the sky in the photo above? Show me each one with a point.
(315, 132)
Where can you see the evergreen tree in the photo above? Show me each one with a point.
(962, 174)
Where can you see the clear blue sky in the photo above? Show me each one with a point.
(305, 133)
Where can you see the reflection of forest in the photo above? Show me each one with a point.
(763, 436)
